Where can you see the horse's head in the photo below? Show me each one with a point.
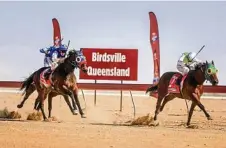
(210, 72)
(77, 59)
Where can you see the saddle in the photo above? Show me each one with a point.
(47, 73)
(45, 77)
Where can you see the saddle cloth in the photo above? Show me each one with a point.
(46, 82)
(176, 83)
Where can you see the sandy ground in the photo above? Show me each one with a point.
(102, 128)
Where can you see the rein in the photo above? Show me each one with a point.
(73, 63)
(206, 75)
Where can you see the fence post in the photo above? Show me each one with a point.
(95, 94)
(121, 97)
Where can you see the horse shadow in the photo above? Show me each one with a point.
(13, 120)
(117, 124)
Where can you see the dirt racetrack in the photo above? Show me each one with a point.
(102, 128)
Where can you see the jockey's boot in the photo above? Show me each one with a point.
(46, 75)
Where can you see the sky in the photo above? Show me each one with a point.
(183, 26)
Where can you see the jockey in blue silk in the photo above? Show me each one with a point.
(53, 56)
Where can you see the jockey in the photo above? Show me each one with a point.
(53, 56)
(187, 61)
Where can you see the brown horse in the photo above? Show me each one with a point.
(28, 91)
(190, 86)
(37, 104)
(62, 81)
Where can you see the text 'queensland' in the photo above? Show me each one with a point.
(111, 64)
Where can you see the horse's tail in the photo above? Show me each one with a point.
(27, 82)
(152, 88)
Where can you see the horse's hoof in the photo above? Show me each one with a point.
(75, 112)
(154, 123)
(52, 118)
(193, 126)
(209, 118)
(83, 116)
(47, 120)
(19, 106)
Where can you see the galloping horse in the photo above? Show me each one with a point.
(62, 81)
(190, 86)
(37, 104)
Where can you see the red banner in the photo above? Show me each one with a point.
(111, 64)
(56, 33)
(154, 40)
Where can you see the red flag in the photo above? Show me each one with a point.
(154, 40)
(56, 33)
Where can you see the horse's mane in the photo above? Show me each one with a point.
(64, 67)
(197, 67)
(200, 65)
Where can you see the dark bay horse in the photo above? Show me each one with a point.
(188, 87)
(28, 91)
(37, 104)
(63, 81)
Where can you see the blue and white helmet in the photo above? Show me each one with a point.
(63, 47)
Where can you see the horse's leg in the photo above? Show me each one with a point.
(158, 105)
(66, 98)
(191, 112)
(29, 91)
(75, 95)
(37, 103)
(50, 99)
(66, 91)
(42, 95)
(201, 106)
(166, 99)
(71, 94)
(74, 105)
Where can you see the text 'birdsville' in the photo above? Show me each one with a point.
(108, 58)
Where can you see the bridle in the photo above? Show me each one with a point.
(206, 71)
(78, 61)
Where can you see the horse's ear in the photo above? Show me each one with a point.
(206, 63)
(212, 62)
